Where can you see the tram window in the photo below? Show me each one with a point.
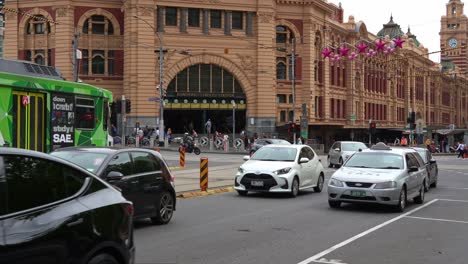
(85, 113)
(106, 114)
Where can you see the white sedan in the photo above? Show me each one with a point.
(280, 169)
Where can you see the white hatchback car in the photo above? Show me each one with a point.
(280, 169)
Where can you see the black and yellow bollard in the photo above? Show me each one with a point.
(182, 157)
(204, 174)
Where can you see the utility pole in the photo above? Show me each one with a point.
(293, 79)
(75, 58)
(233, 122)
(161, 87)
(124, 119)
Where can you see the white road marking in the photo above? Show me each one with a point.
(452, 188)
(452, 200)
(331, 261)
(437, 219)
(349, 240)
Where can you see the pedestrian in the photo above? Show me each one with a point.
(169, 135)
(461, 150)
(114, 131)
(208, 127)
(299, 141)
(428, 144)
(404, 141)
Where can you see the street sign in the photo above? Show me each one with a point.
(154, 99)
(353, 117)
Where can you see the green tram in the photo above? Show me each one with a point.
(40, 111)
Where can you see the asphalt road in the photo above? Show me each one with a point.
(262, 228)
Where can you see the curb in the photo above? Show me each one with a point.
(193, 194)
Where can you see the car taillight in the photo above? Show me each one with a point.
(128, 208)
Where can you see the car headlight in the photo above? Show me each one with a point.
(385, 185)
(282, 171)
(336, 183)
(240, 170)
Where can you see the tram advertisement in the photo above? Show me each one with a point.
(62, 120)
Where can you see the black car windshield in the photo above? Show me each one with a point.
(375, 161)
(354, 146)
(275, 154)
(88, 160)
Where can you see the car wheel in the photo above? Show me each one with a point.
(420, 198)
(434, 184)
(400, 207)
(330, 165)
(164, 209)
(334, 204)
(295, 187)
(103, 259)
(320, 181)
(242, 193)
(340, 163)
(196, 150)
(426, 183)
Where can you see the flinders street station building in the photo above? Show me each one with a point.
(263, 63)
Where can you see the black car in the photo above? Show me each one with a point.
(141, 174)
(54, 212)
(431, 167)
(260, 142)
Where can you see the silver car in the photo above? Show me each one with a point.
(379, 175)
(342, 150)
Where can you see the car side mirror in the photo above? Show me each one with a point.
(114, 176)
(246, 158)
(432, 161)
(303, 160)
(337, 149)
(413, 169)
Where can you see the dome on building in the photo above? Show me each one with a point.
(411, 35)
(391, 29)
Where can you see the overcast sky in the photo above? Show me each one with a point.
(423, 17)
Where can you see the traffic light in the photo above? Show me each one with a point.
(117, 107)
(372, 128)
(412, 117)
(128, 106)
(293, 127)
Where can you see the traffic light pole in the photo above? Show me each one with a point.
(124, 119)
(161, 83)
(293, 78)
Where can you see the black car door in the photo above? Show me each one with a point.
(129, 184)
(42, 220)
(148, 172)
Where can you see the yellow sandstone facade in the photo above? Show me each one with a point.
(224, 53)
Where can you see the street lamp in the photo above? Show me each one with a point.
(161, 74)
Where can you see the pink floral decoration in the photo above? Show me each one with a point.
(344, 51)
(380, 45)
(327, 53)
(362, 47)
(398, 42)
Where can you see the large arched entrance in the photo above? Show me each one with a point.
(201, 92)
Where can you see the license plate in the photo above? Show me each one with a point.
(358, 193)
(256, 183)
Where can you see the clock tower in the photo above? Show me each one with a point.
(453, 35)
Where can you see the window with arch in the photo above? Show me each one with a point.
(284, 35)
(38, 25)
(205, 78)
(281, 68)
(39, 57)
(98, 62)
(99, 25)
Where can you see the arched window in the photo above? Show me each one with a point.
(38, 25)
(39, 59)
(102, 62)
(204, 79)
(284, 35)
(280, 69)
(99, 25)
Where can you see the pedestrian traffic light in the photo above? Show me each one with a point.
(128, 106)
(116, 107)
(412, 117)
(293, 127)
(372, 128)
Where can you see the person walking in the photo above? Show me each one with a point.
(461, 150)
(404, 141)
(208, 127)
